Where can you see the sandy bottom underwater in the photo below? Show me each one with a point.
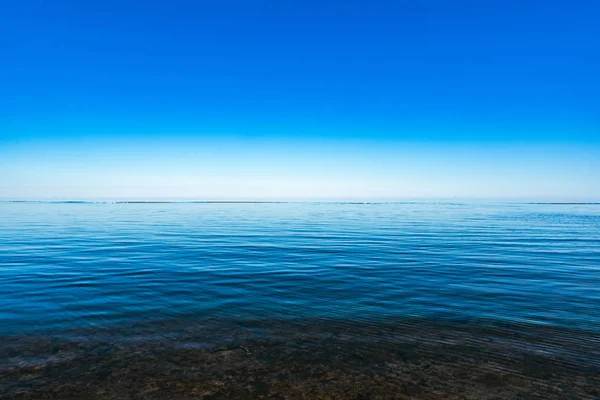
(302, 359)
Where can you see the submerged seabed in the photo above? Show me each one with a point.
(303, 359)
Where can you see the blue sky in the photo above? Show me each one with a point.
(300, 99)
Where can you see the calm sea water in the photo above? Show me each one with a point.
(300, 301)
(89, 265)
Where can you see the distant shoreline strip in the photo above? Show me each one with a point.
(261, 202)
(147, 202)
(567, 204)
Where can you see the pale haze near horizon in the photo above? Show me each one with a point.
(238, 169)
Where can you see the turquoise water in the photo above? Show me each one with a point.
(82, 265)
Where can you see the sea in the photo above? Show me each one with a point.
(306, 300)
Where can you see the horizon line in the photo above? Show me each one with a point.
(414, 201)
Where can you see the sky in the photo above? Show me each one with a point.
(223, 99)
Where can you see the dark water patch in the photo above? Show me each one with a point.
(304, 359)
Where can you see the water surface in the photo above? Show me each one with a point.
(206, 275)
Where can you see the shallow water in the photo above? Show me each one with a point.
(524, 277)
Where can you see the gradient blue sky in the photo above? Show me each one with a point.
(307, 99)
